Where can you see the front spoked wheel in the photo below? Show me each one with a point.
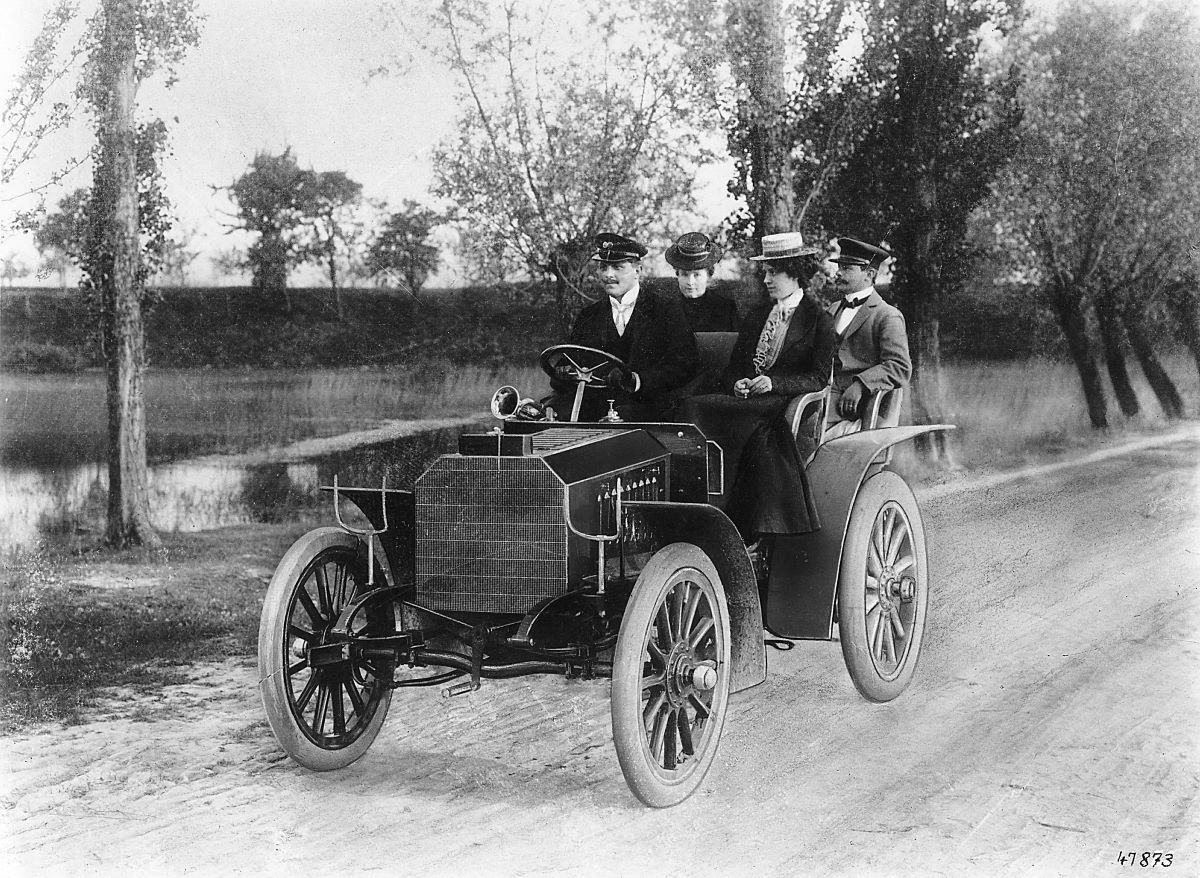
(325, 715)
(883, 588)
(670, 682)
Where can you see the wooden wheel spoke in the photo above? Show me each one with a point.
(896, 538)
(339, 707)
(652, 709)
(666, 634)
(302, 633)
(306, 693)
(904, 562)
(690, 610)
(897, 626)
(658, 658)
(875, 629)
(658, 735)
(871, 602)
(703, 711)
(322, 707)
(701, 631)
(658, 679)
(672, 604)
(670, 751)
(356, 699)
(306, 601)
(323, 595)
(299, 666)
(874, 615)
(889, 644)
(685, 731)
(874, 560)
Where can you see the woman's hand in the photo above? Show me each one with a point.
(759, 385)
(747, 387)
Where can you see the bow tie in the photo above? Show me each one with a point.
(850, 304)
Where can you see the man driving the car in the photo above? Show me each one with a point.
(647, 332)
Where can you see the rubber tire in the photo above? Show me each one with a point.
(876, 683)
(273, 684)
(653, 784)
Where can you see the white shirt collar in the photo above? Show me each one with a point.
(626, 302)
(791, 302)
(860, 296)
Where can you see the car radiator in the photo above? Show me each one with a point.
(490, 535)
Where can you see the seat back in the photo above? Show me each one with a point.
(715, 349)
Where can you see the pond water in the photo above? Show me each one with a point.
(54, 481)
(66, 505)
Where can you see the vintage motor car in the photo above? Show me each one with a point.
(553, 546)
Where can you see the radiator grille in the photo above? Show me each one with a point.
(490, 534)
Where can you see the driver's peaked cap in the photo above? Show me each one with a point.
(611, 247)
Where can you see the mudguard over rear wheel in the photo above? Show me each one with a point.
(883, 588)
(324, 717)
(670, 681)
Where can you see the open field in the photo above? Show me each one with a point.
(59, 419)
(1005, 411)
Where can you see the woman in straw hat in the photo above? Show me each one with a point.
(785, 348)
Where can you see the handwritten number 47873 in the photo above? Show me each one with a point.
(1145, 859)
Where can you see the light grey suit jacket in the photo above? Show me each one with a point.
(874, 347)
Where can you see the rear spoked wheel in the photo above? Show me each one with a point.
(670, 681)
(883, 588)
(324, 715)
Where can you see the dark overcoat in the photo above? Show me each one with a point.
(657, 344)
(711, 313)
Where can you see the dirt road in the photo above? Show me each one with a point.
(1054, 723)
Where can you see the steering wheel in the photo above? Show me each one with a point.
(587, 366)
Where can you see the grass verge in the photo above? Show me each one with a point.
(73, 625)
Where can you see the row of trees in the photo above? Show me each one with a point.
(299, 215)
(1058, 156)
(295, 216)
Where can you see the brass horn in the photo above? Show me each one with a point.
(507, 404)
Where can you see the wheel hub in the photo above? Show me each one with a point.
(895, 588)
(685, 675)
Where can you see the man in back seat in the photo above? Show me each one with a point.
(872, 339)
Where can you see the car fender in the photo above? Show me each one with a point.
(709, 529)
(802, 586)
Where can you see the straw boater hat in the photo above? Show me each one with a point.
(693, 251)
(785, 245)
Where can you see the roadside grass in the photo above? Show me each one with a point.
(105, 623)
(1009, 413)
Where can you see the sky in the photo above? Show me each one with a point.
(269, 74)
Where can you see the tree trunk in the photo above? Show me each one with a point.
(124, 351)
(1069, 306)
(760, 25)
(333, 285)
(1152, 367)
(1112, 338)
(921, 284)
(1184, 301)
